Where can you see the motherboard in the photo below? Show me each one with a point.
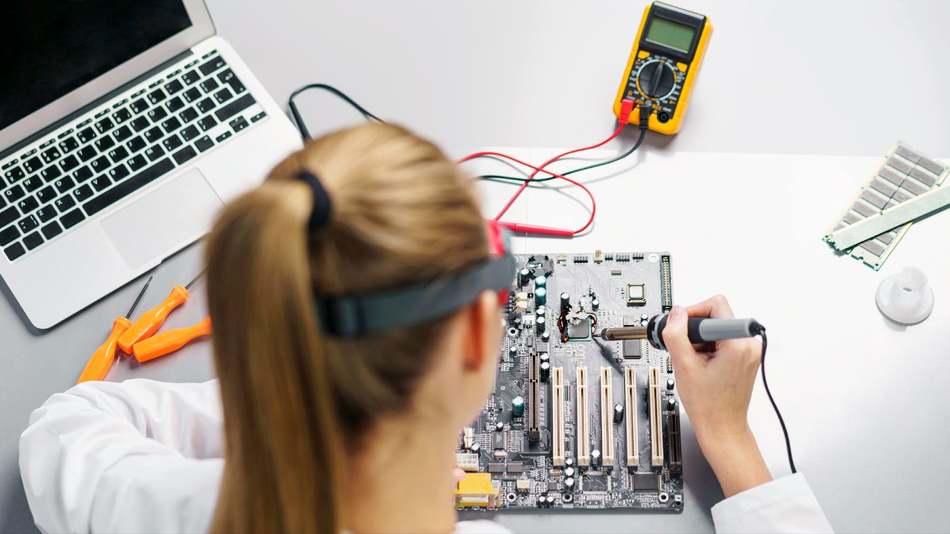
(575, 422)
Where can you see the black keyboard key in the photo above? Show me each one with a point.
(69, 145)
(14, 251)
(172, 143)
(189, 133)
(8, 235)
(206, 105)
(105, 143)
(28, 224)
(235, 107)
(32, 165)
(86, 135)
(157, 114)
(137, 163)
(157, 96)
(209, 85)
(32, 183)
(121, 190)
(171, 124)
(155, 152)
(99, 165)
(231, 79)
(86, 154)
(52, 230)
(238, 124)
(121, 134)
(207, 123)
(184, 155)
(69, 163)
(191, 95)
(50, 173)
(104, 125)
(8, 215)
(223, 136)
(174, 87)
(46, 194)
(119, 173)
(121, 116)
(82, 193)
(100, 183)
(135, 144)
(139, 106)
(72, 218)
(259, 116)
(46, 213)
(140, 124)
(153, 135)
(188, 115)
(212, 65)
(204, 144)
(14, 175)
(33, 240)
(223, 95)
(51, 155)
(14, 193)
(64, 203)
(174, 104)
(82, 174)
(119, 154)
(64, 184)
(28, 204)
(191, 77)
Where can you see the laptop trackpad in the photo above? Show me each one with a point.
(180, 210)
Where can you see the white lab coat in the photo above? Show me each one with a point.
(146, 456)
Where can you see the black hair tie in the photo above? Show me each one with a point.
(322, 207)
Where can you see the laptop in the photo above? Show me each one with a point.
(124, 128)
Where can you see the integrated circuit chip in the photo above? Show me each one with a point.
(636, 295)
(646, 482)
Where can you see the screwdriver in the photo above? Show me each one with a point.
(149, 322)
(165, 342)
(101, 360)
(700, 330)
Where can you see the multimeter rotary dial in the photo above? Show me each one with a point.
(656, 79)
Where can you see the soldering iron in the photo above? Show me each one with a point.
(700, 329)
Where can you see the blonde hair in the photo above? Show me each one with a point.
(293, 397)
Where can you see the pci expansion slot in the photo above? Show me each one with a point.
(606, 417)
(656, 418)
(583, 419)
(633, 440)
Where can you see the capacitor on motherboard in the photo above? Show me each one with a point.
(542, 500)
(644, 319)
(544, 357)
(540, 281)
(594, 458)
(540, 296)
(670, 384)
(568, 471)
(671, 403)
(565, 300)
(540, 324)
(524, 276)
(545, 336)
(499, 426)
(595, 303)
(618, 412)
(550, 500)
(544, 370)
(517, 406)
(475, 447)
(513, 350)
(569, 462)
(569, 483)
(541, 311)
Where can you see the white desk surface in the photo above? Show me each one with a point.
(863, 399)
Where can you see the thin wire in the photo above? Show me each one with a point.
(496, 177)
(788, 441)
(138, 298)
(337, 92)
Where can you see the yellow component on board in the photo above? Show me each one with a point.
(477, 489)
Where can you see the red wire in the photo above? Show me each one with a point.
(593, 202)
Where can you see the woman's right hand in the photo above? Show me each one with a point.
(715, 384)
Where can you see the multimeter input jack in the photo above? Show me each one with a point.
(663, 116)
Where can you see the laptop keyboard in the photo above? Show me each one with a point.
(88, 166)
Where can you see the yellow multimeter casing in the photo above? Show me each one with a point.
(663, 65)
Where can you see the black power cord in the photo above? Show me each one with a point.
(298, 119)
(781, 420)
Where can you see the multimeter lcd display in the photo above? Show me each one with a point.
(671, 34)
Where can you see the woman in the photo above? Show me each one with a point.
(333, 422)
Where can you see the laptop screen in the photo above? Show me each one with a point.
(51, 47)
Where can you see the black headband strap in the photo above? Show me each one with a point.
(322, 207)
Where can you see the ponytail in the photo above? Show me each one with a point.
(282, 432)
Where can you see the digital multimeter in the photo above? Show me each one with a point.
(663, 65)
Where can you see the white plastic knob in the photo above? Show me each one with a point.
(905, 297)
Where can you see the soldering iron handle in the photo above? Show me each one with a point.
(707, 330)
